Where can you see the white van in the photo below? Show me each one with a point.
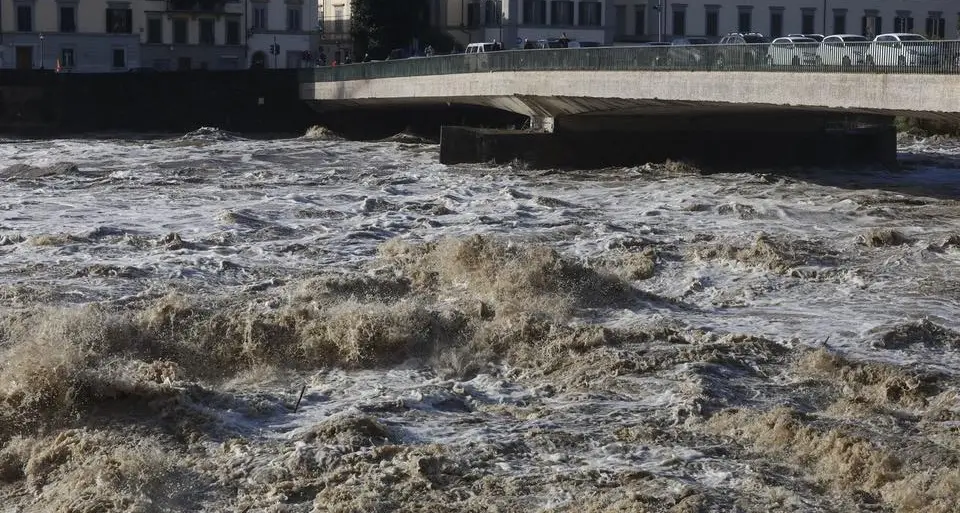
(480, 48)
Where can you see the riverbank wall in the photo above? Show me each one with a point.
(43, 103)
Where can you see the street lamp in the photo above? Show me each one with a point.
(41, 50)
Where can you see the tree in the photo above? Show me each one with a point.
(379, 26)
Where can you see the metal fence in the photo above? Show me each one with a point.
(926, 57)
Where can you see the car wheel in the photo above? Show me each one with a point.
(846, 62)
(870, 63)
(818, 61)
(795, 61)
(901, 61)
(719, 62)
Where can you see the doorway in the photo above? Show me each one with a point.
(24, 57)
(259, 60)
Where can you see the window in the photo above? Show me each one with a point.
(119, 21)
(679, 23)
(259, 18)
(473, 14)
(840, 21)
(807, 21)
(535, 12)
(24, 18)
(155, 30)
(119, 58)
(293, 19)
(640, 20)
(180, 31)
(776, 23)
(561, 12)
(67, 58)
(621, 17)
(68, 18)
(871, 24)
(338, 19)
(491, 13)
(206, 32)
(903, 22)
(745, 21)
(712, 28)
(935, 26)
(590, 14)
(233, 32)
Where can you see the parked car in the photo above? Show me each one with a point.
(688, 52)
(816, 37)
(792, 51)
(901, 49)
(843, 50)
(550, 43)
(736, 49)
(655, 53)
(480, 48)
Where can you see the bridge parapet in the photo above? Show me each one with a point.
(940, 57)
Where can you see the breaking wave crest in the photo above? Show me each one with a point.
(142, 406)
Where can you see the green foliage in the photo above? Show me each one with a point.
(382, 25)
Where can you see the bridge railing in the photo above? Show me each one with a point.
(926, 57)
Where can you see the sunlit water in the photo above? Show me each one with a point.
(800, 261)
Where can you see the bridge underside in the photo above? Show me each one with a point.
(590, 133)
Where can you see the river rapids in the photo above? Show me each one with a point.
(217, 323)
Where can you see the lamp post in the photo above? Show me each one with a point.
(41, 50)
(659, 8)
(825, 18)
(500, 21)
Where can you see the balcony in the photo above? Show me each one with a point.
(197, 6)
(335, 28)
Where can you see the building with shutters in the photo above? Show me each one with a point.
(102, 36)
(638, 20)
(634, 21)
(289, 26)
(97, 36)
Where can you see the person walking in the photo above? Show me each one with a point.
(564, 40)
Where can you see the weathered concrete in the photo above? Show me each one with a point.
(541, 94)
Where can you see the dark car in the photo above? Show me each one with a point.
(689, 52)
(741, 50)
(655, 53)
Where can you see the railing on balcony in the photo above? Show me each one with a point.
(335, 28)
(197, 6)
(933, 57)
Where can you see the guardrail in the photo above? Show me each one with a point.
(928, 57)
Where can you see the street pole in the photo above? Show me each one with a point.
(825, 18)
(276, 52)
(500, 22)
(660, 21)
(41, 50)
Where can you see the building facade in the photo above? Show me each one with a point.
(192, 34)
(101, 37)
(98, 36)
(334, 41)
(639, 20)
(511, 22)
(287, 25)
(636, 21)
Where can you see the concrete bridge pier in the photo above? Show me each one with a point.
(720, 141)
